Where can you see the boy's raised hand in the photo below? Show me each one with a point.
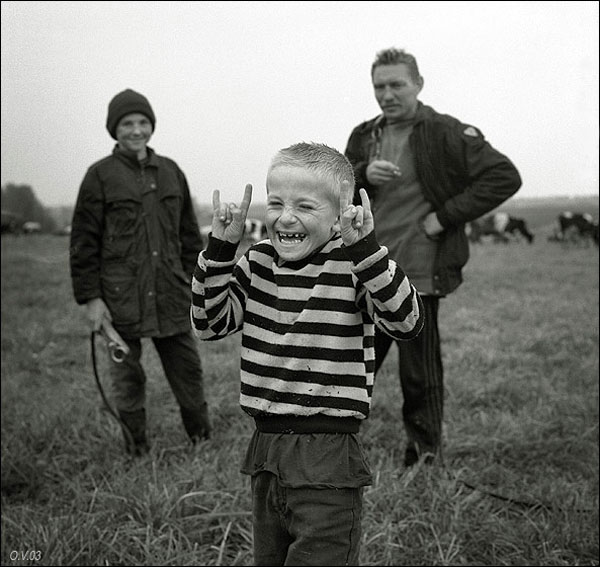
(229, 220)
(356, 221)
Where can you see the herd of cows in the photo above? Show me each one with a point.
(573, 228)
(570, 228)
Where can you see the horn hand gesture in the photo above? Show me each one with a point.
(356, 221)
(229, 220)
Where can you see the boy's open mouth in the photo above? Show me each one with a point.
(291, 237)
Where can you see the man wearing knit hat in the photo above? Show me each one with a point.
(134, 244)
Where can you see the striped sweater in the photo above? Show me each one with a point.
(307, 326)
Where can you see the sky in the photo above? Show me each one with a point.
(231, 83)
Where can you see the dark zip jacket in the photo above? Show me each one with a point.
(461, 175)
(134, 243)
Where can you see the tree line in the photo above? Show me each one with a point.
(20, 205)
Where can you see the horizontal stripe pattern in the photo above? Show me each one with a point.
(308, 326)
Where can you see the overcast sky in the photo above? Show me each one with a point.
(233, 82)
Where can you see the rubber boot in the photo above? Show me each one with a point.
(196, 423)
(134, 432)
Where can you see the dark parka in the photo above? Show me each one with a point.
(135, 242)
(461, 175)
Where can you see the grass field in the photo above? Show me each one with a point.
(519, 481)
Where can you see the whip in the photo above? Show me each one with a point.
(118, 351)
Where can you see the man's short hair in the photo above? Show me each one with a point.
(394, 56)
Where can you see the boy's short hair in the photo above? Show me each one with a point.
(323, 160)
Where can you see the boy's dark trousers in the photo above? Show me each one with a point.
(422, 381)
(304, 526)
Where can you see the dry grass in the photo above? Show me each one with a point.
(519, 485)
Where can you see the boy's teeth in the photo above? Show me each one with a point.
(291, 236)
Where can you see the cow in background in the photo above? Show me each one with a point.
(32, 227)
(499, 226)
(576, 228)
(255, 230)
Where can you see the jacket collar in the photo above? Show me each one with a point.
(132, 161)
(421, 112)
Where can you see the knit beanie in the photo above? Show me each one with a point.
(126, 102)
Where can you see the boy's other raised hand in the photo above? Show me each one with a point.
(356, 221)
(229, 220)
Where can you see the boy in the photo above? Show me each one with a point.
(306, 300)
